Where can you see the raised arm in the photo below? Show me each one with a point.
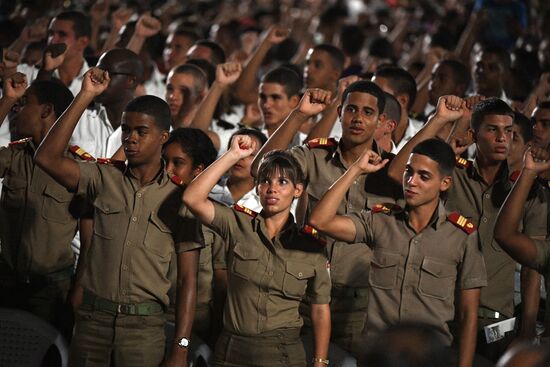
(195, 196)
(324, 217)
(246, 88)
(14, 88)
(519, 245)
(50, 155)
(52, 58)
(146, 26)
(313, 102)
(226, 75)
(449, 109)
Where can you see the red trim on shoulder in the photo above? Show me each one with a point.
(20, 141)
(386, 208)
(462, 162)
(121, 165)
(312, 232)
(461, 222)
(515, 175)
(322, 143)
(245, 210)
(84, 155)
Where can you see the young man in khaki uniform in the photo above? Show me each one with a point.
(323, 162)
(422, 256)
(38, 216)
(478, 192)
(136, 231)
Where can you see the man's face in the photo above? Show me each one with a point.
(488, 75)
(517, 147)
(319, 71)
(141, 138)
(359, 117)
(175, 50)
(422, 181)
(442, 83)
(179, 93)
(541, 128)
(61, 31)
(274, 103)
(179, 163)
(27, 112)
(200, 52)
(242, 169)
(384, 84)
(121, 79)
(494, 138)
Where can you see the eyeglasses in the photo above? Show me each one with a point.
(120, 73)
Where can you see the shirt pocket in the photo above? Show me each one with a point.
(55, 204)
(108, 219)
(158, 237)
(383, 270)
(245, 261)
(437, 279)
(296, 278)
(13, 192)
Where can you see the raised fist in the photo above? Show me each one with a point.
(277, 34)
(147, 26)
(314, 101)
(450, 108)
(15, 86)
(228, 73)
(95, 81)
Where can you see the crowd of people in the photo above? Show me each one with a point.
(289, 183)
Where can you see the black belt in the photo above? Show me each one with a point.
(138, 309)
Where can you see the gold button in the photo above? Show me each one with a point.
(134, 219)
(139, 194)
(300, 274)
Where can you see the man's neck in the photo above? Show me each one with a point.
(350, 153)
(420, 216)
(399, 131)
(238, 188)
(385, 143)
(488, 169)
(146, 172)
(70, 69)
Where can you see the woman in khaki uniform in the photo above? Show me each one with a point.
(272, 265)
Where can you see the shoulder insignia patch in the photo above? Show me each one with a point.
(245, 210)
(121, 165)
(462, 162)
(176, 179)
(387, 208)
(312, 232)
(461, 222)
(322, 143)
(515, 175)
(78, 151)
(19, 142)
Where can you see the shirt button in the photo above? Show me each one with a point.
(123, 291)
(134, 219)
(484, 219)
(487, 196)
(128, 243)
(124, 267)
(300, 274)
(270, 273)
(139, 194)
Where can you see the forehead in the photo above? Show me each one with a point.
(109, 61)
(272, 88)
(181, 79)
(138, 119)
(174, 150)
(498, 120)
(362, 100)
(384, 84)
(420, 162)
(200, 52)
(442, 69)
(179, 39)
(62, 25)
(541, 114)
(488, 57)
(318, 55)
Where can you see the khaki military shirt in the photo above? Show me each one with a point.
(413, 277)
(38, 216)
(136, 232)
(479, 202)
(322, 166)
(267, 278)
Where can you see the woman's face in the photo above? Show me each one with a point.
(277, 193)
(180, 163)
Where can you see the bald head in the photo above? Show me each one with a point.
(121, 60)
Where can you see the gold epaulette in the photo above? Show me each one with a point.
(245, 210)
(20, 142)
(121, 165)
(312, 232)
(515, 175)
(461, 222)
(387, 208)
(176, 179)
(462, 162)
(322, 143)
(78, 151)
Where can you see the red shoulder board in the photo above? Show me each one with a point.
(388, 208)
(20, 142)
(322, 143)
(121, 165)
(75, 149)
(461, 222)
(176, 179)
(462, 162)
(245, 210)
(312, 232)
(515, 175)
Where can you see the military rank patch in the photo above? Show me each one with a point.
(462, 162)
(78, 151)
(322, 143)
(387, 208)
(461, 222)
(20, 142)
(312, 232)
(121, 165)
(245, 210)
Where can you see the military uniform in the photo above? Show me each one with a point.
(38, 219)
(267, 278)
(413, 277)
(137, 230)
(322, 163)
(480, 203)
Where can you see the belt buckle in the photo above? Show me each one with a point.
(123, 308)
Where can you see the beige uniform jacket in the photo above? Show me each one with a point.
(413, 277)
(136, 232)
(267, 278)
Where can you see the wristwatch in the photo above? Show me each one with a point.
(183, 342)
